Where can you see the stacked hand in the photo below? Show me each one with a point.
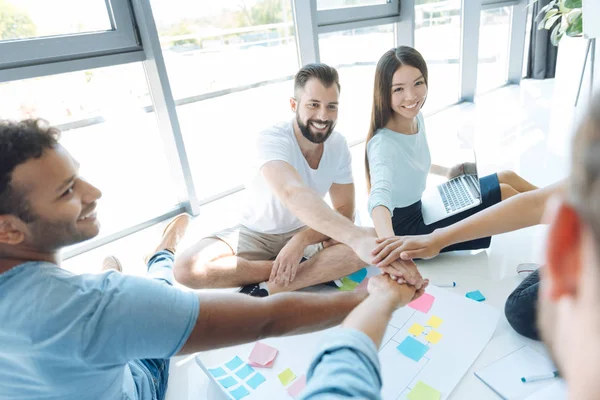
(285, 266)
(399, 295)
(393, 248)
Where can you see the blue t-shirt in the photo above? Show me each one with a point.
(66, 336)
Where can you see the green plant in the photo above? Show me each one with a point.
(561, 17)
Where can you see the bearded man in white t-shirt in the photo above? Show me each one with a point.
(286, 221)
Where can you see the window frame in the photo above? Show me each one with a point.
(358, 13)
(122, 38)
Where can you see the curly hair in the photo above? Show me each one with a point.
(20, 142)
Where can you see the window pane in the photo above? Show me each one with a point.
(109, 131)
(494, 38)
(354, 53)
(333, 4)
(437, 38)
(211, 46)
(23, 19)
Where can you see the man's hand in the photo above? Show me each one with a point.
(399, 295)
(364, 243)
(406, 248)
(287, 262)
(405, 271)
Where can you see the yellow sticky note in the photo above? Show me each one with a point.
(433, 337)
(434, 322)
(416, 329)
(422, 391)
(286, 377)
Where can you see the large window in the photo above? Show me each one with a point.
(355, 54)
(494, 36)
(230, 64)
(437, 38)
(334, 4)
(107, 127)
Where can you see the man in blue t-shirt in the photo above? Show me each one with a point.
(106, 336)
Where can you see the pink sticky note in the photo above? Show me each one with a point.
(423, 303)
(262, 355)
(363, 284)
(297, 387)
(268, 365)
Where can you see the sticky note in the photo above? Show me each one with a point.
(412, 348)
(217, 372)
(416, 329)
(262, 355)
(476, 295)
(347, 284)
(434, 322)
(268, 365)
(245, 371)
(286, 377)
(239, 393)
(433, 337)
(256, 380)
(423, 303)
(358, 276)
(227, 382)
(297, 387)
(233, 364)
(422, 391)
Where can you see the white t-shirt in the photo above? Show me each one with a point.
(264, 212)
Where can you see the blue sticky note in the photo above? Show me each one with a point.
(358, 276)
(233, 364)
(217, 372)
(255, 381)
(227, 382)
(412, 348)
(476, 295)
(239, 393)
(245, 371)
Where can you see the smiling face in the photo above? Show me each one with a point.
(61, 203)
(408, 92)
(316, 108)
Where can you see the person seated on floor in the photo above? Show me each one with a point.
(348, 365)
(285, 218)
(397, 158)
(507, 216)
(107, 336)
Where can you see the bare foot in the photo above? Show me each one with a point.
(172, 235)
(112, 263)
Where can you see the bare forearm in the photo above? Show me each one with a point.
(230, 319)
(310, 236)
(438, 170)
(517, 212)
(382, 219)
(306, 204)
(371, 317)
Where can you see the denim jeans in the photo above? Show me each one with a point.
(521, 307)
(160, 267)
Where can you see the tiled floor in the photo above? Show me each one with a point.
(523, 128)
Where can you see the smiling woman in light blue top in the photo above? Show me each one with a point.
(397, 158)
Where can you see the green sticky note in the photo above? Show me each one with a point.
(347, 284)
(422, 391)
(286, 377)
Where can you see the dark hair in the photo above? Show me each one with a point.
(324, 73)
(584, 181)
(20, 142)
(382, 92)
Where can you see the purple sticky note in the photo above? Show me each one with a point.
(297, 387)
(262, 355)
(423, 303)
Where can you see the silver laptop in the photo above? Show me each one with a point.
(453, 196)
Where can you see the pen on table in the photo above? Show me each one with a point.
(534, 378)
(444, 284)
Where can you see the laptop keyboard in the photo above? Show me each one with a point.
(455, 195)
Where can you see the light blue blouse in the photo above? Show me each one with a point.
(399, 165)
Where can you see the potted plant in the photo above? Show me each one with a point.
(561, 17)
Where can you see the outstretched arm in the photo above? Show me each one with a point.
(520, 211)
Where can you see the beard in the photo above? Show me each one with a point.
(52, 236)
(316, 138)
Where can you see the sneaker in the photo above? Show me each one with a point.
(255, 290)
(172, 235)
(526, 269)
(112, 263)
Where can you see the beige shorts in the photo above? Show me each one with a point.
(252, 245)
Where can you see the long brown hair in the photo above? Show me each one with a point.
(382, 92)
